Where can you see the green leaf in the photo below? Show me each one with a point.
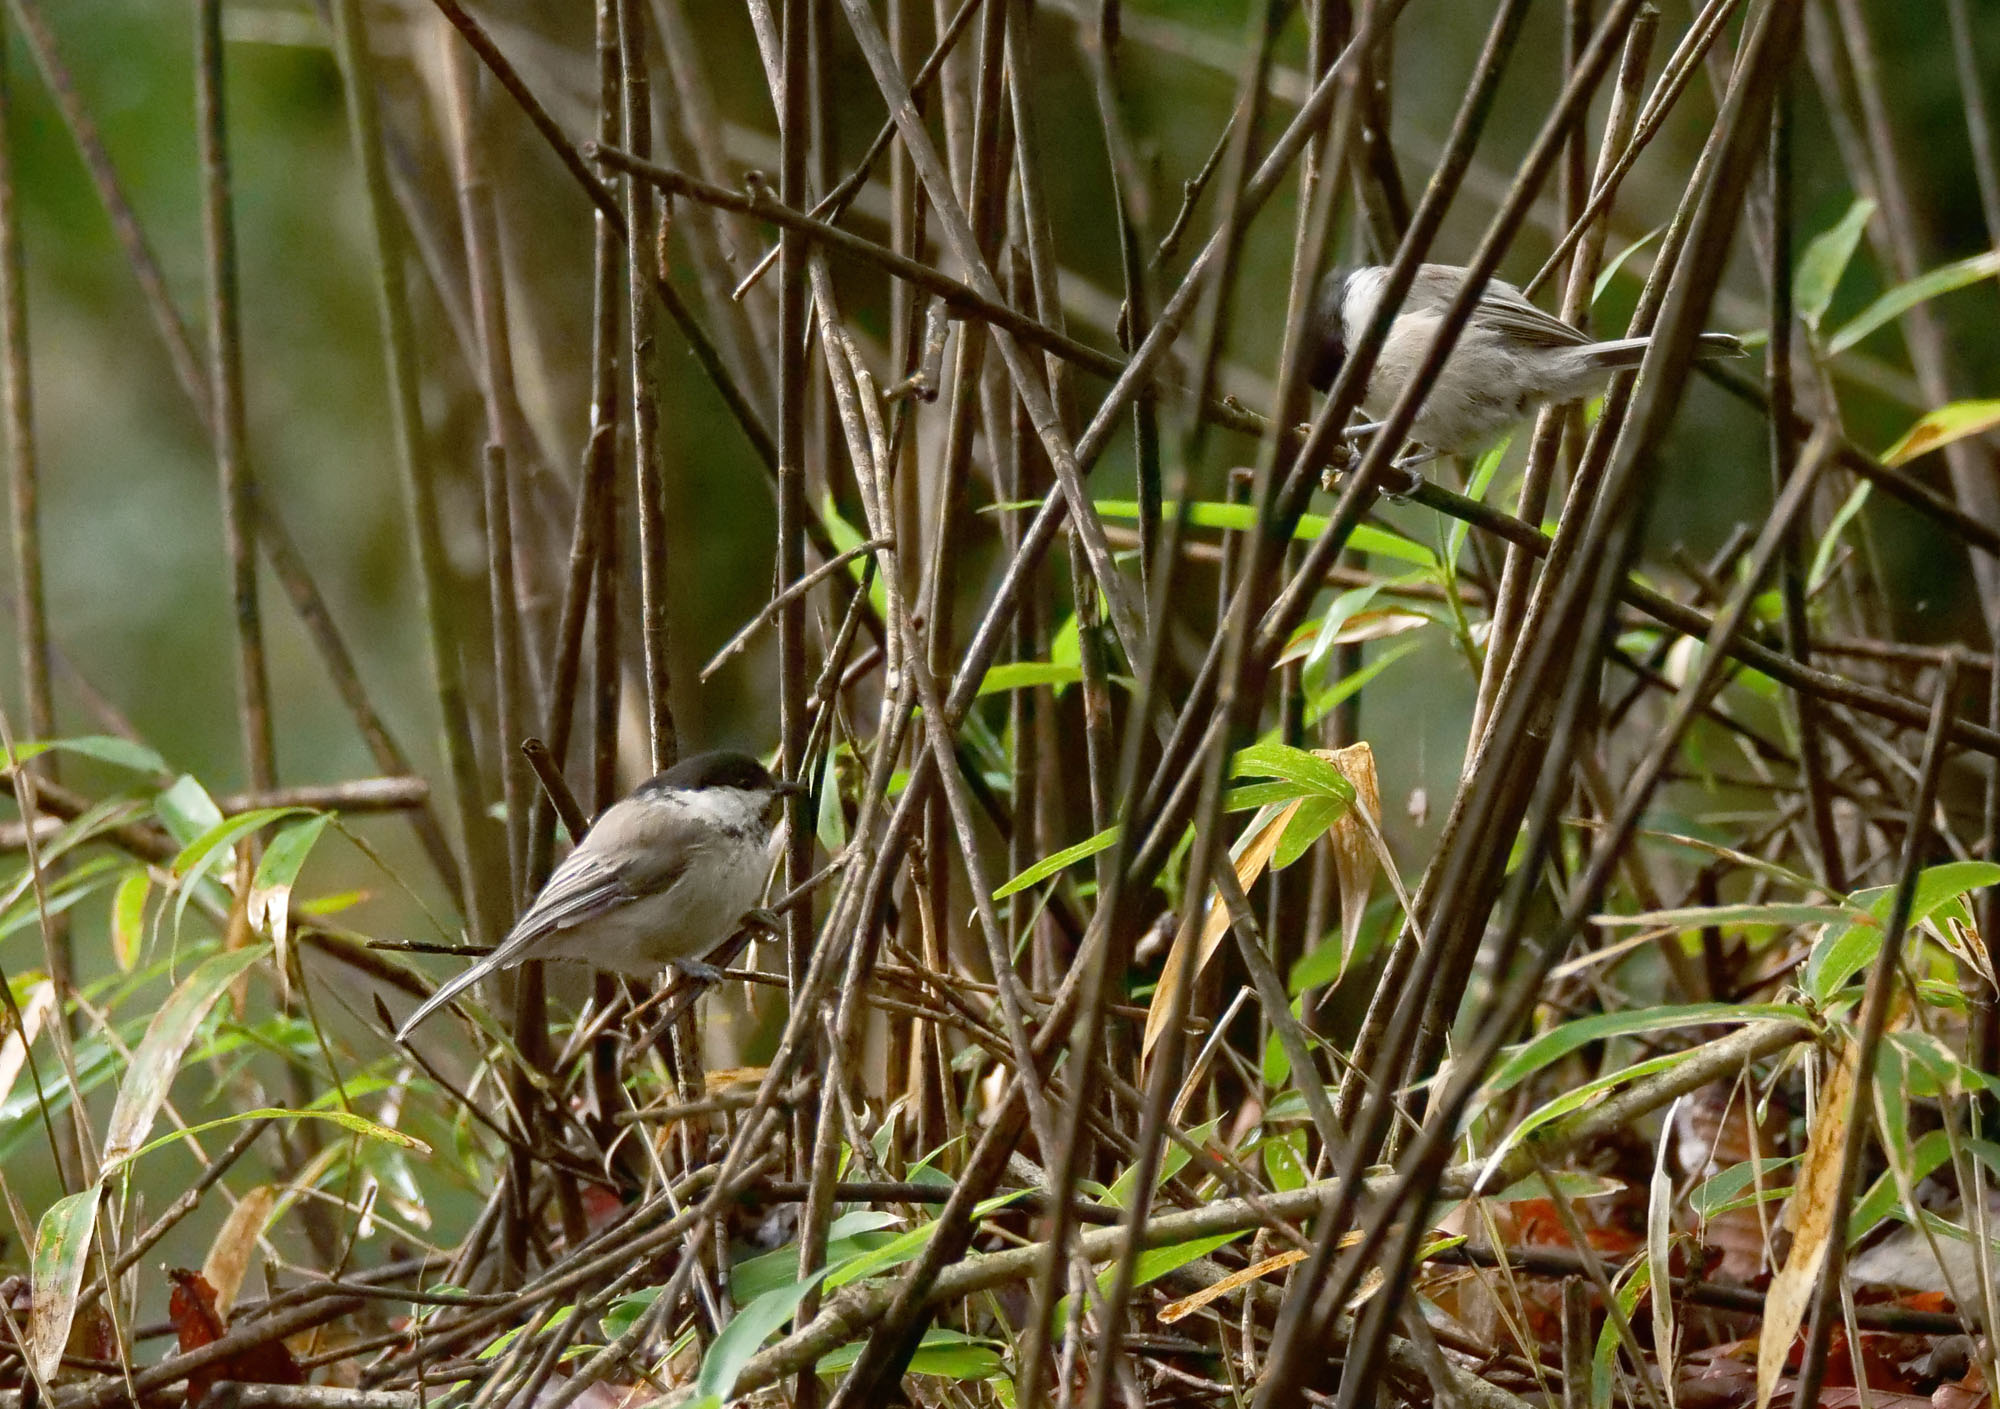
(157, 1059)
(271, 893)
(1722, 1192)
(1061, 861)
(1825, 260)
(1155, 1263)
(1307, 826)
(215, 848)
(346, 1120)
(1242, 518)
(1321, 703)
(1285, 1160)
(128, 918)
(1026, 674)
(62, 1250)
(1939, 428)
(1173, 1159)
(948, 1354)
(906, 1246)
(1843, 950)
(1312, 775)
(846, 1237)
(1822, 563)
(105, 748)
(1901, 299)
(1559, 1042)
(186, 810)
(741, 1339)
(1617, 262)
(846, 538)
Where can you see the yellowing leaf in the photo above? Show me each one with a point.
(1253, 854)
(62, 1246)
(1188, 1305)
(1810, 1214)
(1941, 427)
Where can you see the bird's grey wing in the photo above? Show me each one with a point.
(1503, 309)
(580, 889)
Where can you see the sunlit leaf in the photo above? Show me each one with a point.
(1026, 674)
(1061, 861)
(128, 918)
(1939, 428)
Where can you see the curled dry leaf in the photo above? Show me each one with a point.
(229, 1255)
(1354, 857)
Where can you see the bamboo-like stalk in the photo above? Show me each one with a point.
(482, 869)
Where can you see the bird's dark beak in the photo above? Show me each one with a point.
(791, 788)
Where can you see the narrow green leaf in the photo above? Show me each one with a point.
(278, 871)
(1026, 674)
(1307, 826)
(1617, 262)
(1829, 542)
(157, 1059)
(1825, 260)
(1321, 703)
(745, 1335)
(1721, 1192)
(346, 1120)
(1561, 1041)
(1242, 518)
(1062, 860)
(1901, 299)
(105, 748)
(62, 1250)
(1310, 772)
(215, 847)
(946, 1353)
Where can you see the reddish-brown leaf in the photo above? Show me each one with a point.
(191, 1309)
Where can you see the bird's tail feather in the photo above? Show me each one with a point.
(449, 990)
(1628, 352)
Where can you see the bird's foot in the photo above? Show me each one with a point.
(1400, 479)
(696, 971)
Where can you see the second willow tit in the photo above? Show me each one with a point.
(664, 877)
(1510, 359)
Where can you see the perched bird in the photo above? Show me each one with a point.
(664, 876)
(1510, 359)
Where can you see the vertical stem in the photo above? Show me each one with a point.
(642, 223)
(793, 717)
(225, 382)
(434, 580)
(496, 371)
(30, 589)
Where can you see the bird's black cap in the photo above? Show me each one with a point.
(724, 768)
(1326, 331)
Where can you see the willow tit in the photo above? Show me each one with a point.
(1510, 359)
(664, 876)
